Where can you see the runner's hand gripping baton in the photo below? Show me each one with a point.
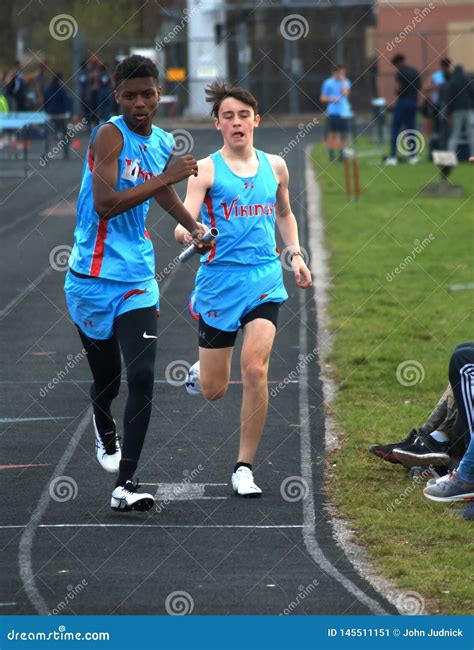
(191, 250)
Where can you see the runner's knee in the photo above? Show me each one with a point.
(140, 377)
(254, 372)
(213, 391)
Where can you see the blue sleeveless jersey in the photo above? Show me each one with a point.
(243, 209)
(120, 248)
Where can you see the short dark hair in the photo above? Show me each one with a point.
(446, 62)
(219, 90)
(135, 66)
(398, 58)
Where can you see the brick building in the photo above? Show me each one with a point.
(424, 33)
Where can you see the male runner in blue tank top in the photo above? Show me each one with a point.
(111, 290)
(244, 193)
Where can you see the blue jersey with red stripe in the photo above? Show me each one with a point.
(120, 248)
(244, 211)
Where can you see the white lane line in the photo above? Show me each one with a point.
(9, 420)
(27, 538)
(12, 527)
(27, 290)
(7, 604)
(141, 483)
(309, 516)
(183, 492)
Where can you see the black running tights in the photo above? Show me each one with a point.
(135, 336)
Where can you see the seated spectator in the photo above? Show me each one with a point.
(430, 444)
(459, 484)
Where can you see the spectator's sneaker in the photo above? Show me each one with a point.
(385, 452)
(441, 474)
(423, 452)
(243, 483)
(107, 448)
(126, 497)
(450, 488)
(413, 160)
(390, 162)
(193, 387)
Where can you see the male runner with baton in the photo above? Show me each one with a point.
(111, 290)
(243, 192)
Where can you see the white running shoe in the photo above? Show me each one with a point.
(193, 387)
(126, 497)
(243, 483)
(390, 162)
(110, 462)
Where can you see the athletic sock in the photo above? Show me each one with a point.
(127, 469)
(237, 465)
(439, 436)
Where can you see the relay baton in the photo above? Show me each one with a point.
(191, 250)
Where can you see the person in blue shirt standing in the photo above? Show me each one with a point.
(111, 290)
(244, 193)
(335, 93)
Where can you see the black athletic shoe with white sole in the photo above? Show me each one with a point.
(423, 452)
(127, 497)
(385, 452)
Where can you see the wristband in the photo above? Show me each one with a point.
(294, 255)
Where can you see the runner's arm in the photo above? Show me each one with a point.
(105, 152)
(168, 199)
(195, 195)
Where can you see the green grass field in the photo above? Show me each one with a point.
(393, 257)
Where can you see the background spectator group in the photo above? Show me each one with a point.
(31, 88)
(446, 102)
